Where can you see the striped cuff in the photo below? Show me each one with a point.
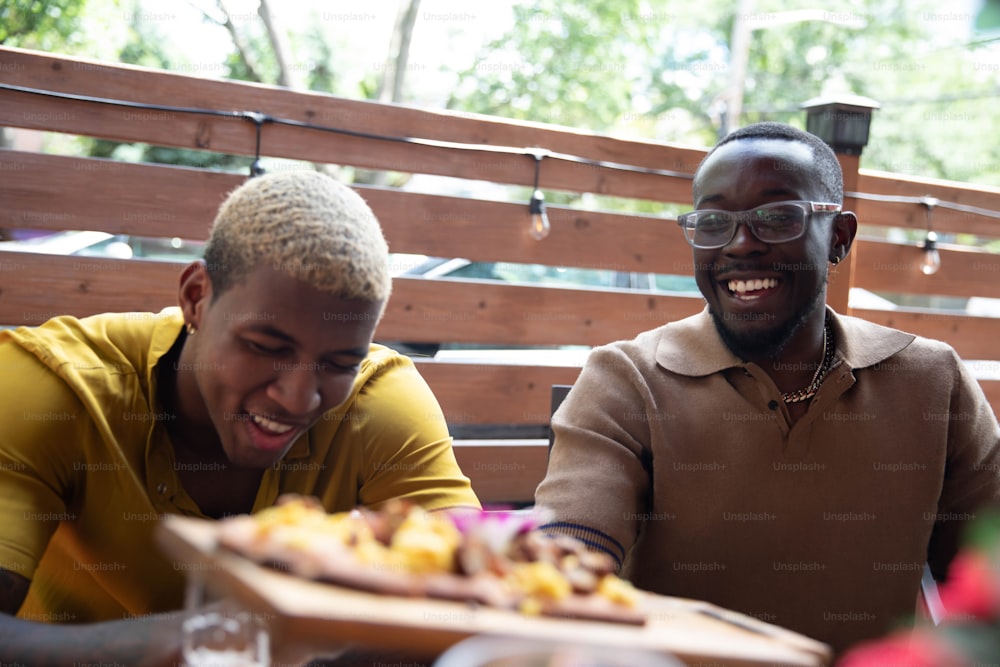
(594, 539)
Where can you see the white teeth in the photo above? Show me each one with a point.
(743, 286)
(274, 427)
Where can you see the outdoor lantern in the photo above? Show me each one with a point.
(842, 122)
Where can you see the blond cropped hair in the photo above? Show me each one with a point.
(306, 225)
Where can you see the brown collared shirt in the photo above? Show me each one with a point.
(679, 459)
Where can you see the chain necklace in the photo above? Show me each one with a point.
(810, 390)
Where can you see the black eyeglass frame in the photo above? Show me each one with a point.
(688, 221)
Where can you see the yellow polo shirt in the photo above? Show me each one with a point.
(87, 470)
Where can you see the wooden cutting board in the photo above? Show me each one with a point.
(321, 614)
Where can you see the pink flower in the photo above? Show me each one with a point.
(972, 591)
(904, 650)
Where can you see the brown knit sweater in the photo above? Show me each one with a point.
(678, 458)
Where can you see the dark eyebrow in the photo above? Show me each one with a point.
(275, 332)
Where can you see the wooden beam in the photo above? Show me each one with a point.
(484, 312)
(483, 393)
(891, 267)
(184, 202)
(56, 192)
(34, 288)
(972, 337)
(82, 77)
(842, 275)
(915, 215)
(506, 472)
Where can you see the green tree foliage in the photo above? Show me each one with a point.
(658, 69)
(558, 64)
(662, 69)
(39, 24)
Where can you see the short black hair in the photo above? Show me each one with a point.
(828, 169)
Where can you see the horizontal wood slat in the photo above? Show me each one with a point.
(480, 393)
(502, 473)
(443, 226)
(483, 312)
(891, 267)
(184, 201)
(235, 136)
(972, 337)
(915, 215)
(36, 287)
(109, 196)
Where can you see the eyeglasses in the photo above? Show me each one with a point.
(779, 222)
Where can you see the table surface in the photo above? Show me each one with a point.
(322, 614)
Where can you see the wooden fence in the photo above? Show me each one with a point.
(73, 96)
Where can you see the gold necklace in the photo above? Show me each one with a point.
(810, 390)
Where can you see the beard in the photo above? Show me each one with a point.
(768, 344)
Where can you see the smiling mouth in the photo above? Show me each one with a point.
(270, 426)
(750, 288)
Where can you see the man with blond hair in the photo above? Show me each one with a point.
(263, 381)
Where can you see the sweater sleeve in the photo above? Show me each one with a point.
(972, 474)
(597, 483)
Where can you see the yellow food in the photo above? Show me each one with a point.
(618, 590)
(541, 580)
(426, 542)
(407, 539)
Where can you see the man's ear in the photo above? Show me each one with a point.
(845, 228)
(195, 293)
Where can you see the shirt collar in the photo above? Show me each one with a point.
(694, 347)
(169, 323)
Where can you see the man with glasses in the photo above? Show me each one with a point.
(768, 454)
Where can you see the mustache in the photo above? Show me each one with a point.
(727, 267)
(768, 267)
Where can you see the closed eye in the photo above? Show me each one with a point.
(264, 349)
(345, 365)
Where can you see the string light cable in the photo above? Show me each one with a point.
(259, 119)
(903, 199)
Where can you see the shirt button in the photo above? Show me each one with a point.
(161, 489)
(772, 404)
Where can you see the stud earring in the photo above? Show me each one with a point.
(191, 329)
(835, 260)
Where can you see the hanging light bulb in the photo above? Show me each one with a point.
(539, 218)
(258, 119)
(540, 226)
(931, 261)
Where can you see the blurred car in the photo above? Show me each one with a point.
(103, 244)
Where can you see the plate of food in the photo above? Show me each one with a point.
(404, 579)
